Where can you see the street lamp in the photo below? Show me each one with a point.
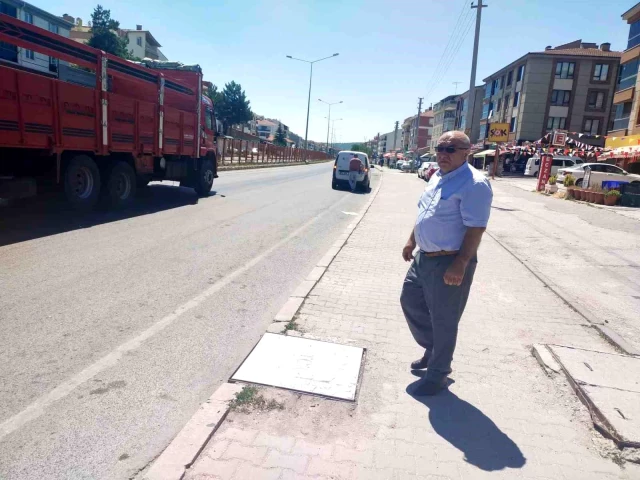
(329, 118)
(333, 130)
(310, 62)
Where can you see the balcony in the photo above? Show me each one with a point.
(620, 123)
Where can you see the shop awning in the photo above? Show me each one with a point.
(484, 153)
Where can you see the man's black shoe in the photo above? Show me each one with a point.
(421, 363)
(430, 387)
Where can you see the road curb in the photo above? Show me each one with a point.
(185, 448)
(182, 452)
(606, 332)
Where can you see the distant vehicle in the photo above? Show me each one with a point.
(406, 166)
(254, 150)
(533, 164)
(600, 172)
(341, 171)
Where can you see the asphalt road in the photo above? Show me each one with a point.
(115, 327)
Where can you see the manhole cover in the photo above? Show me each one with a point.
(303, 365)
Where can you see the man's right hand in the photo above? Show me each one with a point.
(407, 251)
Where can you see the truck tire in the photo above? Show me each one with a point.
(120, 188)
(204, 180)
(82, 183)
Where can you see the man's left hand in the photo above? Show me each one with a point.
(455, 273)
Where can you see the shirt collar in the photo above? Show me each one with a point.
(448, 176)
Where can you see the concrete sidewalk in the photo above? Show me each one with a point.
(502, 418)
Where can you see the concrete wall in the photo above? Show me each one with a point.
(534, 95)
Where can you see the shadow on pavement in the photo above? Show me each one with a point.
(471, 431)
(49, 214)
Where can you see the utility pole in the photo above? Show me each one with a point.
(455, 92)
(474, 63)
(395, 135)
(415, 132)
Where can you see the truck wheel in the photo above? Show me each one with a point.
(204, 181)
(120, 189)
(82, 183)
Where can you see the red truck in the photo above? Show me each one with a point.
(129, 125)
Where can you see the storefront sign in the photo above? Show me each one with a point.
(559, 139)
(586, 177)
(545, 171)
(498, 132)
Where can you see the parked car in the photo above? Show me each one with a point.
(399, 164)
(600, 172)
(341, 171)
(426, 170)
(517, 166)
(406, 166)
(533, 164)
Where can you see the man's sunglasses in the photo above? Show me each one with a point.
(449, 149)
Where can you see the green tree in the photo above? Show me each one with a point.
(233, 106)
(103, 35)
(280, 138)
(216, 97)
(358, 147)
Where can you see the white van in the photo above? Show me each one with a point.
(533, 164)
(341, 171)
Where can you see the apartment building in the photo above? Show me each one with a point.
(390, 142)
(142, 44)
(569, 87)
(35, 16)
(626, 101)
(444, 118)
(416, 136)
(462, 107)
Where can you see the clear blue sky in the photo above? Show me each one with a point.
(388, 49)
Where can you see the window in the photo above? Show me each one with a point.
(520, 75)
(53, 28)
(516, 99)
(613, 169)
(634, 35)
(53, 64)
(487, 90)
(513, 124)
(29, 54)
(565, 69)
(139, 41)
(621, 116)
(494, 86)
(591, 126)
(627, 74)
(509, 77)
(499, 107)
(561, 97)
(209, 119)
(485, 111)
(28, 17)
(595, 100)
(502, 82)
(557, 163)
(483, 131)
(556, 122)
(601, 72)
(506, 101)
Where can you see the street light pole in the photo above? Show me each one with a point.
(329, 118)
(310, 62)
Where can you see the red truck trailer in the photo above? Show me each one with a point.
(129, 125)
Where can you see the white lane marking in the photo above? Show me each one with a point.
(350, 213)
(37, 408)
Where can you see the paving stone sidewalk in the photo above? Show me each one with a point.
(503, 418)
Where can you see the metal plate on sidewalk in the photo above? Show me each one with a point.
(609, 384)
(303, 365)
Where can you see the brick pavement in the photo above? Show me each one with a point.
(503, 418)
